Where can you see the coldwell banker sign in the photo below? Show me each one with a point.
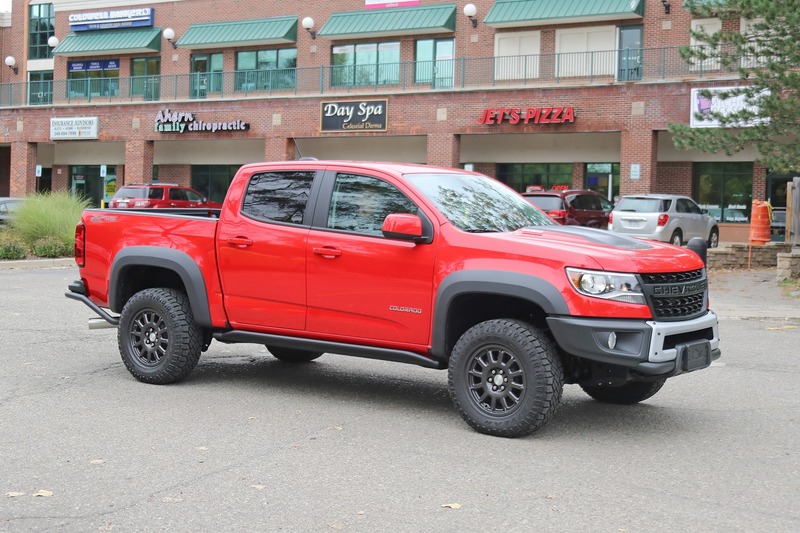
(356, 116)
(105, 20)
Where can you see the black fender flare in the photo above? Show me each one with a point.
(174, 260)
(513, 284)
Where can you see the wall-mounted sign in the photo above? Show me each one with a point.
(74, 128)
(179, 122)
(531, 115)
(106, 20)
(377, 4)
(104, 64)
(355, 115)
(704, 105)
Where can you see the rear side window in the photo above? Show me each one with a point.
(278, 196)
(130, 192)
(155, 193)
(178, 194)
(546, 203)
(586, 202)
(643, 205)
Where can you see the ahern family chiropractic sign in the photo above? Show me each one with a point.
(182, 122)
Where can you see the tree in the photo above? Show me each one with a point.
(767, 58)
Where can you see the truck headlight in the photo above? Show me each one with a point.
(608, 285)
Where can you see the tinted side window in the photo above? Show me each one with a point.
(278, 196)
(155, 193)
(177, 194)
(361, 203)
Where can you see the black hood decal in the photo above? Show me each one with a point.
(598, 236)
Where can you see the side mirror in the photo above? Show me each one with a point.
(404, 227)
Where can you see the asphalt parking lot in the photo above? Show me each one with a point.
(345, 444)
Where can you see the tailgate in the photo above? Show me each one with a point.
(635, 223)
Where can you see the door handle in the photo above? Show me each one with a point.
(241, 242)
(330, 253)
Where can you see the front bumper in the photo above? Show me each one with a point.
(644, 346)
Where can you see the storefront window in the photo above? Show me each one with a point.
(212, 181)
(93, 78)
(522, 176)
(365, 64)
(260, 70)
(603, 178)
(41, 26)
(725, 190)
(96, 183)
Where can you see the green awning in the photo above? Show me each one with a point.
(386, 22)
(277, 30)
(106, 42)
(519, 13)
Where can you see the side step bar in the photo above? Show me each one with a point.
(356, 350)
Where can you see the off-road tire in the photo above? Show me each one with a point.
(531, 379)
(676, 238)
(158, 338)
(628, 394)
(291, 355)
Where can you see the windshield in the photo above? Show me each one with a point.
(477, 204)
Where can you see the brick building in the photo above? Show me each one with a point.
(536, 92)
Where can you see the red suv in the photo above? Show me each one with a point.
(160, 195)
(574, 207)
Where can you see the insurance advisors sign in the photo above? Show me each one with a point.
(353, 115)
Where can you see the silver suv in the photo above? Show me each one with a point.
(663, 217)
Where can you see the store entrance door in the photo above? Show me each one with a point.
(776, 188)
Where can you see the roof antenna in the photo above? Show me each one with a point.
(297, 147)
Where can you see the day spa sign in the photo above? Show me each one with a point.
(354, 115)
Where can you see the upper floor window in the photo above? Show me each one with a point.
(586, 52)
(435, 62)
(40, 87)
(365, 64)
(710, 27)
(516, 55)
(93, 78)
(41, 26)
(258, 70)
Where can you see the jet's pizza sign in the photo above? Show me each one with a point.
(530, 115)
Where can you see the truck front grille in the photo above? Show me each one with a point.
(676, 295)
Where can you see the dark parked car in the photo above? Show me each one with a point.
(159, 195)
(575, 207)
(7, 208)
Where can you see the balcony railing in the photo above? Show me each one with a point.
(584, 68)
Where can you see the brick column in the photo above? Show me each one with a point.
(444, 149)
(638, 147)
(138, 161)
(281, 149)
(23, 168)
(759, 181)
(578, 175)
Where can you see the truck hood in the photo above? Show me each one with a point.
(610, 251)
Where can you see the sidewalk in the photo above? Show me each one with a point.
(750, 294)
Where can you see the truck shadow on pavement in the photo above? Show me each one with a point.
(416, 390)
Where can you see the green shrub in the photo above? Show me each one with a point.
(51, 247)
(52, 215)
(12, 248)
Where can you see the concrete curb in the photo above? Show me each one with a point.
(29, 264)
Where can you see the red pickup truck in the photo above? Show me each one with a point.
(438, 267)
